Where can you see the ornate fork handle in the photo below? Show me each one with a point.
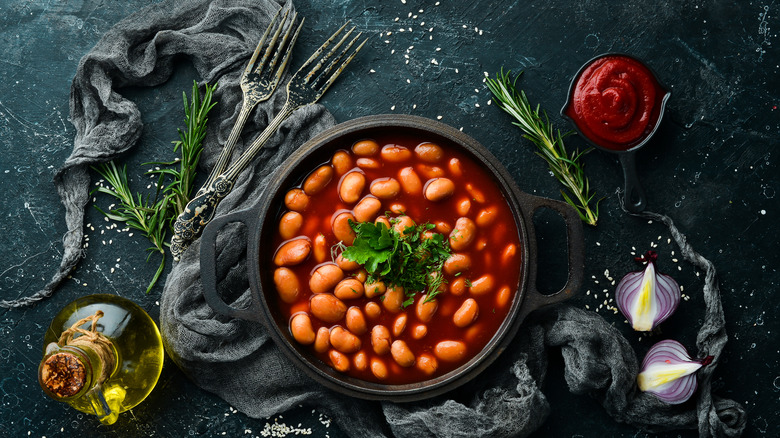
(198, 213)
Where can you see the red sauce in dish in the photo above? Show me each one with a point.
(495, 252)
(616, 102)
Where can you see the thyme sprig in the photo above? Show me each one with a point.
(536, 127)
(154, 216)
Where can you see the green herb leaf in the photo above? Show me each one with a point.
(154, 216)
(409, 260)
(538, 129)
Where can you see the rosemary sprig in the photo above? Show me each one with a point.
(536, 127)
(153, 217)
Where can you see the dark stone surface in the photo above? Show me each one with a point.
(712, 168)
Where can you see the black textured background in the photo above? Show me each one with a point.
(712, 168)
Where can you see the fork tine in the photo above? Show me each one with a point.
(272, 48)
(314, 73)
(334, 61)
(343, 65)
(283, 49)
(287, 53)
(251, 64)
(321, 49)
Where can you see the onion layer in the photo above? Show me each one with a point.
(646, 298)
(668, 372)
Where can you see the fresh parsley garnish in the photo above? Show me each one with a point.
(411, 260)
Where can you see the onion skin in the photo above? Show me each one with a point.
(669, 373)
(647, 298)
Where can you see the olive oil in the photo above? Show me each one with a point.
(132, 361)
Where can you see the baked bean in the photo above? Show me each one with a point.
(402, 354)
(348, 288)
(425, 309)
(456, 263)
(397, 208)
(318, 180)
(475, 334)
(327, 308)
(345, 264)
(342, 162)
(466, 314)
(427, 235)
(344, 341)
(482, 285)
(374, 289)
(321, 251)
(351, 186)
(290, 224)
(443, 227)
(455, 167)
(361, 275)
(339, 360)
(419, 331)
(427, 364)
(464, 233)
(301, 329)
(383, 220)
(503, 296)
(508, 254)
(402, 223)
(372, 310)
(368, 163)
(458, 286)
(450, 351)
(410, 181)
(429, 152)
(287, 285)
(296, 200)
(378, 368)
(292, 252)
(325, 278)
(299, 307)
(360, 360)
(463, 206)
(385, 188)
(399, 325)
(430, 172)
(439, 189)
(393, 299)
(393, 153)
(486, 217)
(475, 193)
(322, 340)
(367, 209)
(480, 245)
(380, 339)
(365, 148)
(341, 228)
(356, 322)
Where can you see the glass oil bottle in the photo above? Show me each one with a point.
(103, 355)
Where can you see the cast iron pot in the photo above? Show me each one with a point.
(262, 219)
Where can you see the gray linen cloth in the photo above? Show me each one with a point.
(236, 359)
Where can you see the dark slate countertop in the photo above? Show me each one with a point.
(712, 167)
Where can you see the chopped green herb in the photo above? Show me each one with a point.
(468, 283)
(408, 260)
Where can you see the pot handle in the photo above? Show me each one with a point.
(208, 268)
(576, 248)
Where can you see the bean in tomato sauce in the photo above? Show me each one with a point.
(354, 320)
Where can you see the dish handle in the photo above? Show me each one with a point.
(576, 254)
(208, 268)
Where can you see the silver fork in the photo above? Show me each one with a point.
(259, 82)
(306, 87)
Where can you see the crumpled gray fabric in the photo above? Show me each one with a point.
(236, 359)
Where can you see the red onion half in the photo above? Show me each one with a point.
(668, 372)
(646, 298)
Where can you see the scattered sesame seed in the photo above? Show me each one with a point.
(438, 117)
(438, 49)
(414, 106)
(372, 71)
(434, 61)
(392, 108)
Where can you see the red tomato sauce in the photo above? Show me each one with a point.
(491, 253)
(616, 102)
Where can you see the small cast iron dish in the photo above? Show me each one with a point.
(262, 219)
(634, 196)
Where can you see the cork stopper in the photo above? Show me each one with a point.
(63, 374)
